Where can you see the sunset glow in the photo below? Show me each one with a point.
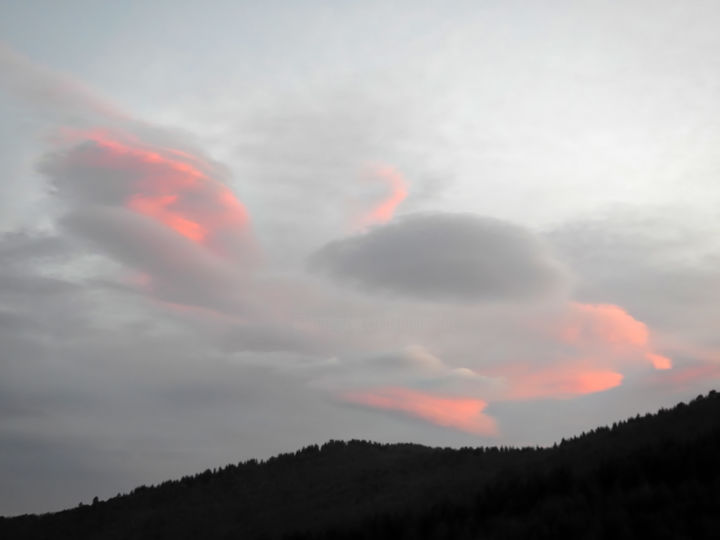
(606, 323)
(559, 383)
(170, 186)
(610, 326)
(659, 361)
(398, 191)
(464, 414)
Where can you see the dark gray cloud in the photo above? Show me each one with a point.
(442, 256)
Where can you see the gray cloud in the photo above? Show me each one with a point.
(413, 366)
(179, 271)
(33, 286)
(441, 256)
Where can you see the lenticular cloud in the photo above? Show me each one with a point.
(174, 188)
(163, 213)
(445, 257)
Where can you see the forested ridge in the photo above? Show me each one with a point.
(654, 476)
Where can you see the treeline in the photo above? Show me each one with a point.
(651, 476)
(666, 491)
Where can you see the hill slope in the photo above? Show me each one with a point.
(653, 476)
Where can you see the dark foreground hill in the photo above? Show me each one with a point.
(656, 476)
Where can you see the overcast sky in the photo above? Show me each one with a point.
(233, 229)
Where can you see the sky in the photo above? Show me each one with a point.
(234, 229)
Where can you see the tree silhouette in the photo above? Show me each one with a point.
(653, 476)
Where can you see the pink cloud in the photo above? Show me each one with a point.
(560, 382)
(600, 342)
(163, 213)
(397, 192)
(170, 186)
(659, 361)
(603, 323)
(608, 327)
(464, 414)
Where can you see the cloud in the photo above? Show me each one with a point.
(345, 145)
(156, 210)
(560, 382)
(176, 270)
(136, 194)
(412, 366)
(603, 323)
(36, 288)
(446, 257)
(659, 361)
(171, 186)
(659, 263)
(22, 247)
(547, 352)
(594, 346)
(464, 414)
(611, 327)
(692, 373)
(54, 92)
(384, 211)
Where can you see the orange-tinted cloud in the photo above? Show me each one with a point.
(464, 414)
(600, 342)
(385, 209)
(659, 361)
(170, 186)
(560, 383)
(610, 327)
(604, 323)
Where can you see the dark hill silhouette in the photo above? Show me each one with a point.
(655, 476)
